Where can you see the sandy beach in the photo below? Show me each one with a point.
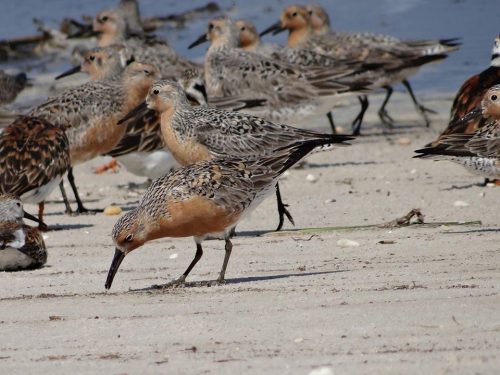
(417, 299)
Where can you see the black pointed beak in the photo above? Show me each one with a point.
(202, 89)
(84, 30)
(115, 264)
(202, 39)
(475, 113)
(28, 216)
(139, 110)
(69, 72)
(274, 28)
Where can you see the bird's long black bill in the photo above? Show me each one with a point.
(202, 39)
(475, 113)
(274, 28)
(139, 110)
(115, 264)
(33, 218)
(74, 70)
(84, 30)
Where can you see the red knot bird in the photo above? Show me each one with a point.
(90, 113)
(21, 246)
(194, 134)
(292, 93)
(478, 152)
(206, 199)
(34, 156)
(407, 56)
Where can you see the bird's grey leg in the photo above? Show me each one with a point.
(420, 108)
(382, 112)
(228, 247)
(356, 124)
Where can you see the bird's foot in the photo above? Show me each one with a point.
(386, 118)
(282, 211)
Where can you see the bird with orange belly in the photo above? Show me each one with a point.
(206, 199)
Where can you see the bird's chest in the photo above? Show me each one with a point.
(98, 138)
(184, 148)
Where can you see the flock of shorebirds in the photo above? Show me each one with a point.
(212, 137)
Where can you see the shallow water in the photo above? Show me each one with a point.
(475, 21)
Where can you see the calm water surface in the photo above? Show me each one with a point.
(477, 22)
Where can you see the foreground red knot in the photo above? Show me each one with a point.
(205, 199)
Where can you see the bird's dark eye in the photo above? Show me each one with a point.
(147, 71)
(295, 14)
(310, 12)
(129, 238)
(243, 28)
(105, 18)
(92, 58)
(156, 92)
(494, 97)
(210, 26)
(18, 204)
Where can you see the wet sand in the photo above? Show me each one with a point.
(424, 301)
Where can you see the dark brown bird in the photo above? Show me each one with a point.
(34, 156)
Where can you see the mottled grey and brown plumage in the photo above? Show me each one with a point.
(291, 93)
(34, 156)
(205, 199)
(102, 63)
(470, 94)
(21, 246)
(113, 29)
(91, 111)
(404, 57)
(478, 152)
(193, 134)
(11, 86)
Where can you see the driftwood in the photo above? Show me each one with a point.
(83, 28)
(152, 23)
(27, 45)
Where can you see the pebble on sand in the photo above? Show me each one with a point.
(460, 204)
(322, 371)
(112, 210)
(404, 141)
(311, 178)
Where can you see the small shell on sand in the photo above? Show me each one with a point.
(460, 204)
(344, 242)
(112, 210)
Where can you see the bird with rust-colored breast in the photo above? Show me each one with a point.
(205, 199)
(34, 156)
(404, 58)
(91, 111)
(194, 134)
(471, 93)
(478, 152)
